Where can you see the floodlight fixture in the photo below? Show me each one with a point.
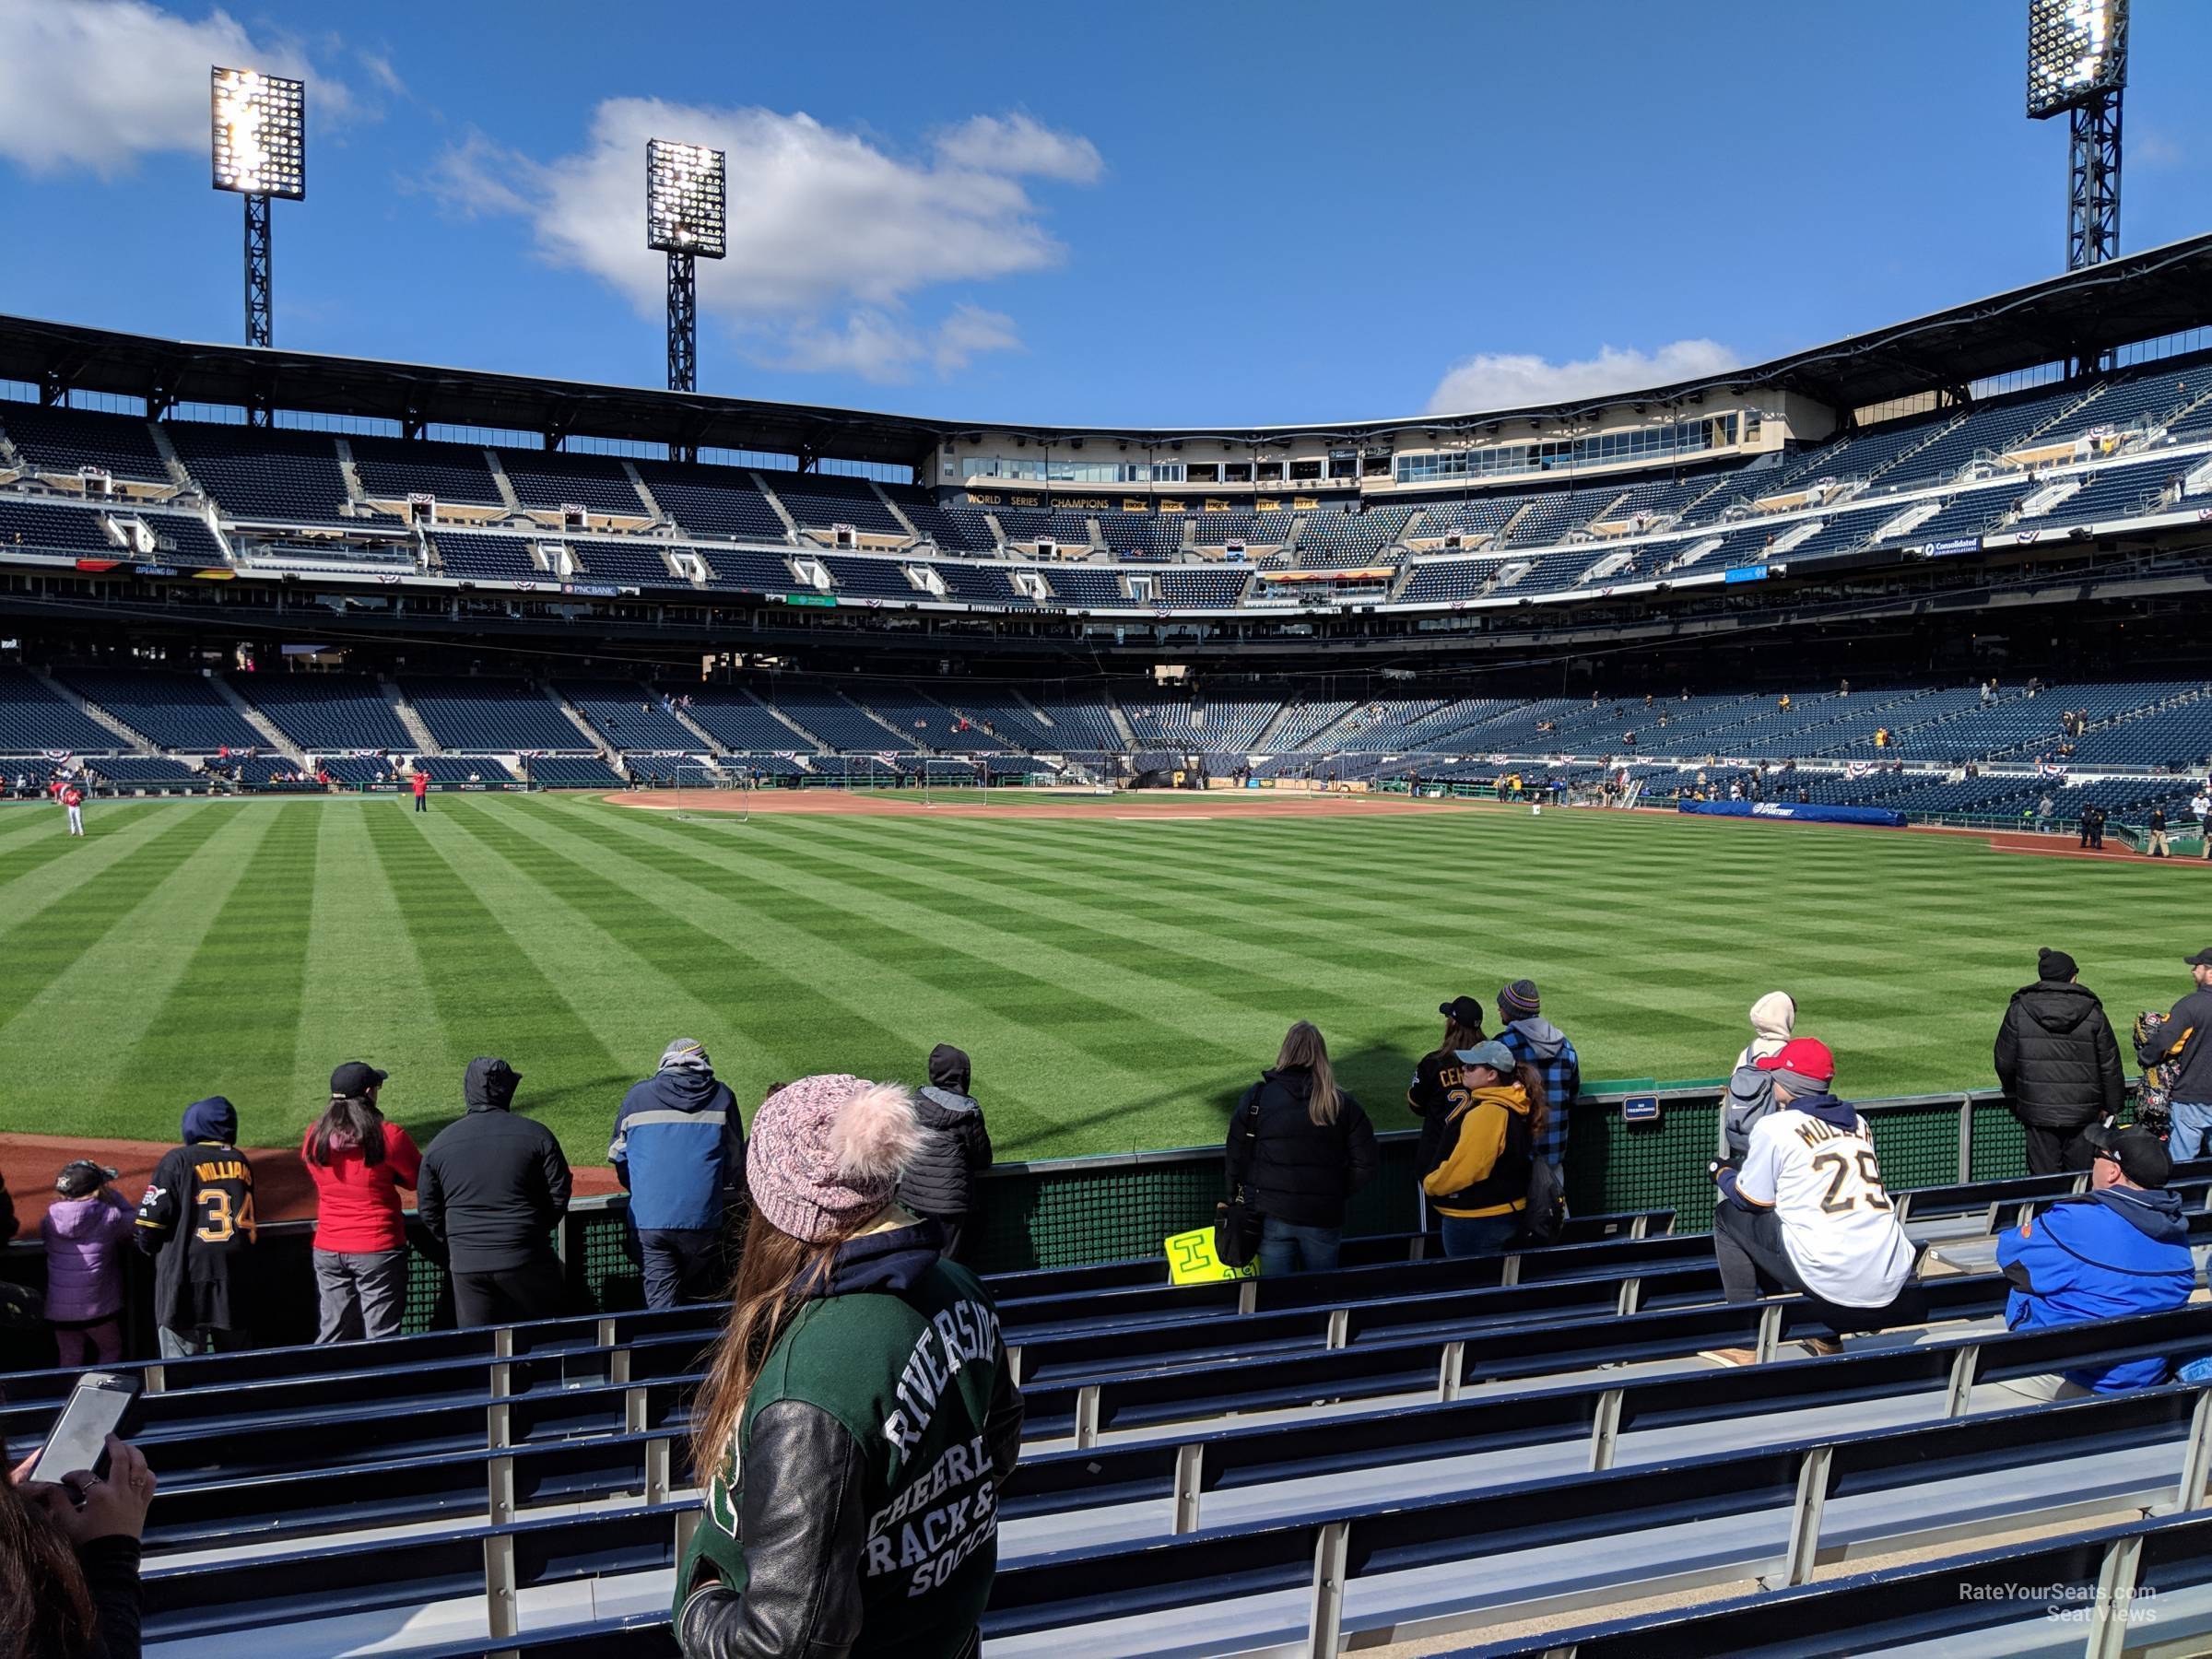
(2078, 67)
(260, 133)
(258, 149)
(2076, 54)
(684, 203)
(686, 218)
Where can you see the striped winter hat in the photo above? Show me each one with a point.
(1519, 1000)
(826, 1153)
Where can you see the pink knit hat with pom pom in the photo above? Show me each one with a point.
(826, 1153)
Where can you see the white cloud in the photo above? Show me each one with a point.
(831, 234)
(95, 84)
(1501, 379)
(1020, 145)
(2155, 149)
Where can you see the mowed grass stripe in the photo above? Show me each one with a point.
(1005, 896)
(42, 940)
(929, 940)
(1044, 1040)
(365, 994)
(674, 977)
(37, 867)
(251, 962)
(492, 994)
(111, 993)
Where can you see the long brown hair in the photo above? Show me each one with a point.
(44, 1604)
(354, 1116)
(776, 1274)
(1457, 1036)
(1303, 1050)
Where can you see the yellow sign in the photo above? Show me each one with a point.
(1191, 1260)
(1171, 506)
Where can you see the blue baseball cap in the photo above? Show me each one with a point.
(1492, 1053)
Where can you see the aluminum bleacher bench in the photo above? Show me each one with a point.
(1350, 1563)
(2141, 1586)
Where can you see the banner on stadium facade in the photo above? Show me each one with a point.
(1801, 813)
(1746, 574)
(1958, 544)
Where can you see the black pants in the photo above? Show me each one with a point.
(422, 803)
(1748, 1248)
(504, 1295)
(2057, 1151)
(682, 1265)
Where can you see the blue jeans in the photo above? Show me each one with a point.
(2192, 1125)
(1286, 1247)
(1478, 1235)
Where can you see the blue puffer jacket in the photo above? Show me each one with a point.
(679, 1149)
(2119, 1250)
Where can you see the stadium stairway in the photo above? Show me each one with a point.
(133, 742)
(277, 742)
(577, 718)
(420, 734)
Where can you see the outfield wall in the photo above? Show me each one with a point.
(1093, 1209)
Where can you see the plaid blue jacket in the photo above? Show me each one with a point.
(1562, 1074)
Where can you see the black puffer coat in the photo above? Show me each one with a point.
(1295, 1170)
(940, 1183)
(2057, 1058)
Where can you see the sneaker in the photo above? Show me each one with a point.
(1821, 1347)
(1731, 1355)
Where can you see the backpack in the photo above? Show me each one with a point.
(1750, 1098)
(2154, 1099)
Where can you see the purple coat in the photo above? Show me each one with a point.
(86, 1239)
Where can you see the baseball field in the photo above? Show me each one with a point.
(1119, 969)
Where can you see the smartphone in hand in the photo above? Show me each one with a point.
(98, 1407)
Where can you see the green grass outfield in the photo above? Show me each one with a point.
(1117, 982)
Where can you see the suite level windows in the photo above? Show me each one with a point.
(1027, 470)
(1598, 449)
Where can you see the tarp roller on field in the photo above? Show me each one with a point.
(1808, 814)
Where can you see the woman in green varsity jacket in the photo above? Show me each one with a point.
(860, 1415)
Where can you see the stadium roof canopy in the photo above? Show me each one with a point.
(2142, 296)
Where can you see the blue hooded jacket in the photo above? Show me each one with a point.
(213, 1119)
(2119, 1251)
(678, 1148)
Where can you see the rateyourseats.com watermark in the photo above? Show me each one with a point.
(2079, 1603)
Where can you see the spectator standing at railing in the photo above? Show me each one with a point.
(196, 1220)
(859, 1415)
(1297, 1148)
(1437, 1074)
(87, 1232)
(358, 1161)
(1533, 1040)
(2059, 1063)
(940, 1183)
(1478, 1181)
(493, 1187)
(2182, 1043)
(69, 1560)
(2121, 1248)
(678, 1150)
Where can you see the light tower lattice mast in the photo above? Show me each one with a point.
(687, 217)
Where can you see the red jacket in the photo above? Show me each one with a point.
(422, 782)
(359, 1203)
(72, 797)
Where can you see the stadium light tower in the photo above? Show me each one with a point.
(686, 216)
(259, 150)
(2078, 65)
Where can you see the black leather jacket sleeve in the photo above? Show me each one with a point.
(804, 1523)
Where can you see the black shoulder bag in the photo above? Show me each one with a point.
(1236, 1223)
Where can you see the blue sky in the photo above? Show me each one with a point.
(1211, 213)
